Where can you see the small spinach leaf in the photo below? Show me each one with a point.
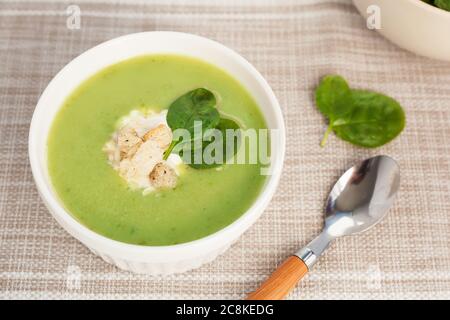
(333, 96)
(374, 120)
(195, 105)
(443, 4)
(227, 148)
(361, 117)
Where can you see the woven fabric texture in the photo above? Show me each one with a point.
(292, 43)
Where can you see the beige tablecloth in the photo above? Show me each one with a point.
(292, 43)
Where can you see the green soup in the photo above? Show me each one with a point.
(203, 202)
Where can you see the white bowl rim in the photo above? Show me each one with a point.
(247, 218)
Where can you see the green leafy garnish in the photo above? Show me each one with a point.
(443, 4)
(196, 105)
(199, 106)
(361, 117)
(333, 97)
(227, 149)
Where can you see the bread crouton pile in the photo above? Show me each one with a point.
(136, 152)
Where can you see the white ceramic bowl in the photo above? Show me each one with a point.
(413, 25)
(148, 259)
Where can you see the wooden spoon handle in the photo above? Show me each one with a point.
(282, 281)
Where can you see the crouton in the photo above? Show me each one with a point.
(128, 142)
(136, 152)
(161, 134)
(126, 169)
(143, 162)
(163, 176)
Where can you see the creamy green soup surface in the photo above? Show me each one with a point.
(203, 202)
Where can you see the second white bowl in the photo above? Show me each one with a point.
(413, 25)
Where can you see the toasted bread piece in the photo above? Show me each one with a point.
(143, 162)
(128, 142)
(126, 169)
(163, 176)
(161, 134)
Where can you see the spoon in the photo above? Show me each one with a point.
(359, 200)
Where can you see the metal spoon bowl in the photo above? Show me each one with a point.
(358, 201)
(362, 196)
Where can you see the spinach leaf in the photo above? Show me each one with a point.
(195, 105)
(333, 96)
(374, 120)
(443, 4)
(361, 117)
(227, 148)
